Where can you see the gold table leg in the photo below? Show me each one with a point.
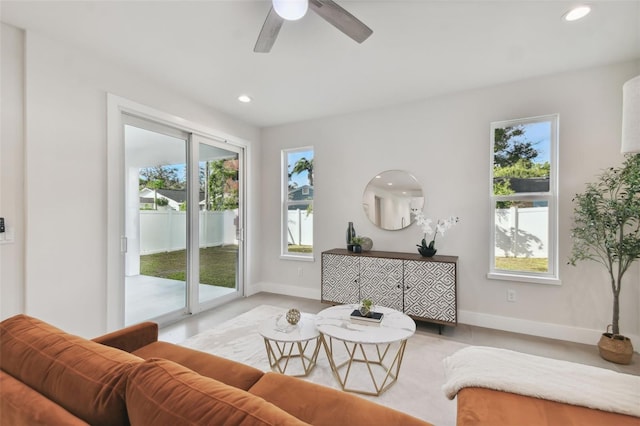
(282, 352)
(357, 354)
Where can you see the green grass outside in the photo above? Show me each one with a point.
(217, 265)
(294, 248)
(525, 264)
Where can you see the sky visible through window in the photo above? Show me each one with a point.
(539, 134)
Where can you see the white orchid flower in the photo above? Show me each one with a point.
(442, 225)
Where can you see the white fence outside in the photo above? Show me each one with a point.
(300, 227)
(165, 230)
(522, 232)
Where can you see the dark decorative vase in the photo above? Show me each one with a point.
(351, 232)
(427, 252)
(357, 248)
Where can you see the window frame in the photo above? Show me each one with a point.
(285, 203)
(551, 197)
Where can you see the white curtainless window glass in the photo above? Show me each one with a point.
(297, 203)
(524, 199)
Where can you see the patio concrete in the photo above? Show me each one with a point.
(148, 297)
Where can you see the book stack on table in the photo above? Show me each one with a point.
(373, 318)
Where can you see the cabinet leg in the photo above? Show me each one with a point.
(440, 329)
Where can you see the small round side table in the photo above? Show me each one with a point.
(285, 342)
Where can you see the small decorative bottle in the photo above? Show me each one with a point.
(351, 232)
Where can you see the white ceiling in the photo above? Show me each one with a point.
(419, 48)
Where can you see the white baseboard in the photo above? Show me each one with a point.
(553, 331)
(287, 290)
(534, 328)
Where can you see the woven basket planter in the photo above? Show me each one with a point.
(615, 348)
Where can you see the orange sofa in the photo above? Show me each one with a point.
(488, 407)
(49, 377)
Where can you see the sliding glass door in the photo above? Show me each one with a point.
(219, 219)
(183, 216)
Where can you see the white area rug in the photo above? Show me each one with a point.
(417, 392)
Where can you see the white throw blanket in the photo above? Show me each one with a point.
(563, 381)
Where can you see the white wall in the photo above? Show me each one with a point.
(65, 165)
(11, 166)
(444, 143)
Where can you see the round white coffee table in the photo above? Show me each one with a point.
(285, 342)
(379, 348)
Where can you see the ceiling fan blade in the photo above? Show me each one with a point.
(269, 32)
(341, 19)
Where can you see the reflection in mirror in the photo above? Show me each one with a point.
(389, 198)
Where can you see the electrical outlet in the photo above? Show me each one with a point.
(300, 272)
(511, 295)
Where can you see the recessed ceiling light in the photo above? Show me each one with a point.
(244, 99)
(576, 13)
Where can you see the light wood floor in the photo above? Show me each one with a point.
(551, 348)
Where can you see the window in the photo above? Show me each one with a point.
(297, 204)
(524, 200)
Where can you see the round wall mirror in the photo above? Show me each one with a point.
(389, 198)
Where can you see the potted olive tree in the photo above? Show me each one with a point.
(606, 230)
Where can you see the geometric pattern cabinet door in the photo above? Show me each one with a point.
(340, 278)
(381, 280)
(430, 291)
(421, 287)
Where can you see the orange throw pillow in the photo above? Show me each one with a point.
(161, 392)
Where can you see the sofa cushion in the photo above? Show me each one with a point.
(321, 405)
(21, 405)
(481, 406)
(161, 392)
(84, 377)
(224, 370)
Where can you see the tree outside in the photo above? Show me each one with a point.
(221, 190)
(162, 177)
(303, 165)
(514, 157)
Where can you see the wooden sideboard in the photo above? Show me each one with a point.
(425, 288)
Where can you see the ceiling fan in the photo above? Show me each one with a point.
(291, 10)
